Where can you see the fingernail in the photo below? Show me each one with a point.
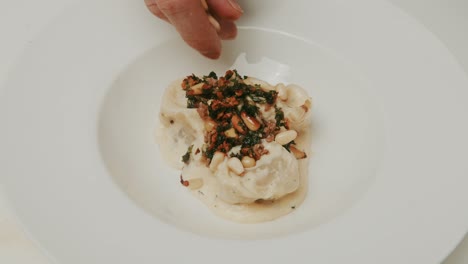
(235, 5)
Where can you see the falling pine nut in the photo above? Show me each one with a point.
(235, 165)
(214, 22)
(218, 157)
(285, 137)
(204, 4)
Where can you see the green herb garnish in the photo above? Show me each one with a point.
(186, 156)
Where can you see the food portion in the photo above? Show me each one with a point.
(274, 175)
(241, 143)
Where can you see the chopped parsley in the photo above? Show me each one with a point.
(279, 117)
(233, 104)
(186, 156)
(251, 139)
(250, 109)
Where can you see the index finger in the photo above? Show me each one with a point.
(191, 21)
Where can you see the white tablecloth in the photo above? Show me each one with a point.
(20, 21)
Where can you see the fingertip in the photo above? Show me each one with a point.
(208, 43)
(225, 9)
(228, 30)
(153, 8)
(211, 54)
(234, 4)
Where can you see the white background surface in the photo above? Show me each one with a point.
(20, 21)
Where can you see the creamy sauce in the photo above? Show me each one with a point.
(252, 212)
(277, 184)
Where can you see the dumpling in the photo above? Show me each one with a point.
(181, 126)
(295, 103)
(275, 175)
(239, 142)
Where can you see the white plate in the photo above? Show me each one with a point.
(388, 173)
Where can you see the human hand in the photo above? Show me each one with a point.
(200, 29)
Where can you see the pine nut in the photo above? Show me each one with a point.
(218, 157)
(237, 124)
(248, 162)
(204, 4)
(297, 153)
(233, 76)
(197, 88)
(214, 22)
(282, 92)
(285, 137)
(195, 183)
(211, 19)
(235, 165)
(251, 122)
(209, 125)
(231, 133)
